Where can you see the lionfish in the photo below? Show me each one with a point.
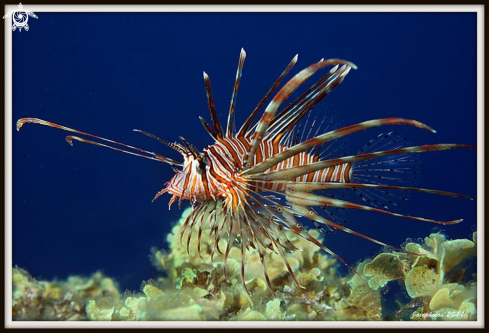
(235, 184)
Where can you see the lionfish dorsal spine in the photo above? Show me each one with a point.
(231, 125)
(248, 122)
(281, 96)
(212, 108)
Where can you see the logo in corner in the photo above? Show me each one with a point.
(20, 17)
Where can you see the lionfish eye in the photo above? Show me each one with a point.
(201, 165)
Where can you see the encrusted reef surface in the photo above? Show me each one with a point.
(440, 285)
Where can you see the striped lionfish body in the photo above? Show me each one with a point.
(235, 184)
(219, 178)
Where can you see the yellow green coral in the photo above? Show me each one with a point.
(197, 290)
(424, 276)
(194, 287)
(56, 300)
(384, 268)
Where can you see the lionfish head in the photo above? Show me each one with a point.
(182, 184)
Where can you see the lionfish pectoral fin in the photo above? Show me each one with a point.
(151, 155)
(327, 137)
(172, 200)
(309, 199)
(245, 240)
(231, 236)
(403, 169)
(184, 226)
(195, 218)
(313, 186)
(260, 249)
(264, 230)
(159, 194)
(199, 236)
(311, 215)
(216, 228)
(289, 213)
(295, 172)
(203, 212)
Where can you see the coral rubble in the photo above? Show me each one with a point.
(433, 274)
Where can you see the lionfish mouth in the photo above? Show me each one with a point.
(227, 183)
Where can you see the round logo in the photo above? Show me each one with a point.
(20, 18)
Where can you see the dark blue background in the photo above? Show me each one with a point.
(83, 208)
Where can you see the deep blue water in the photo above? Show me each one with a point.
(84, 208)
